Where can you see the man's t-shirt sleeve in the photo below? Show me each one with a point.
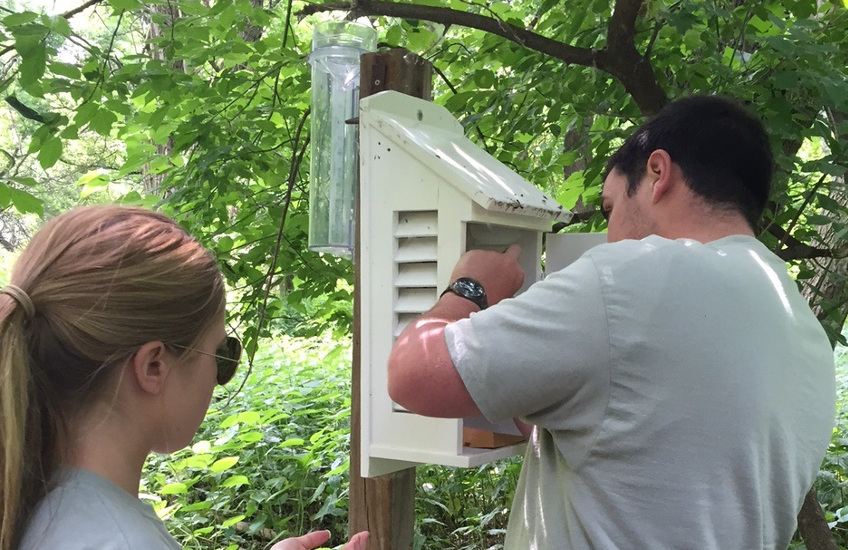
(542, 356)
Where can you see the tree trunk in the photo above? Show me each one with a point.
(152, 182)
(828, 297)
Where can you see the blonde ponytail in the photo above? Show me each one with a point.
(14, 402)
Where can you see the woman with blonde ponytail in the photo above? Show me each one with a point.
(112, 338)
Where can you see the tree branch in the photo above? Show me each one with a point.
(790, 248)
(810, 194)
(297, 159)
(621, 29)
(620, 59)
(447, 16)
(803, 252)
(70, 13)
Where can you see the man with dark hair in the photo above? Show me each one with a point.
(722, 150)
(680, 390)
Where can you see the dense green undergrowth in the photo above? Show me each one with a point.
(269, 461)
(272, 461)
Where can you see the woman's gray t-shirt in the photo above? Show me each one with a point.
(88, 512)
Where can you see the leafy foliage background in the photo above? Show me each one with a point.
(201, 108)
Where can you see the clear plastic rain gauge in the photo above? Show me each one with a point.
(336, 47)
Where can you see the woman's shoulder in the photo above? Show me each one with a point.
(85, 511)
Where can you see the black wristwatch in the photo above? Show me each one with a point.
(470, 290)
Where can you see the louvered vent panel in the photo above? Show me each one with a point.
(419, 274)
(415, 300)
(417, 224)
(404, 319)
(417, 248)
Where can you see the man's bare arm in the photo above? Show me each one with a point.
(422, 376)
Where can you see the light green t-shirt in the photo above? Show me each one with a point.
(683, 396)
(88, 512)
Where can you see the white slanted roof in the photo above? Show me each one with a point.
(431, 134)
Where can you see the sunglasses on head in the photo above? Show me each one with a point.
(226, 358)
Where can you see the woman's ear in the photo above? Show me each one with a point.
(151, 365)
(660, 168)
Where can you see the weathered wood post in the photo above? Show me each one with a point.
(383, 505)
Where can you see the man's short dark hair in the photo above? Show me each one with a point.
(722, 150)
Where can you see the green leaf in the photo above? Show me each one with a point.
(18, 19)
(232, 521)
(102, 122)
(248, 417)
(128, 5)
(29, 37)
(174, 489)
(251, 437)
(786, 79)
(57, 24)
(65, 69)
(223, 464)
(92, 182)
(25, 203)
(85, 113)
(692, 39)
(225, 244)
(236, 481)
(818, 219)
(192, 7)
(484, 78)
(50, 152)
(5, 195)
(25, 181)
(802, 8)
(244, 6)
(395, 34)
(41, 135)
(33, 63)
(197, 506)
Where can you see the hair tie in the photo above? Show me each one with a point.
(20, 296)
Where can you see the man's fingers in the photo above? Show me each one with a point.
(513, 251)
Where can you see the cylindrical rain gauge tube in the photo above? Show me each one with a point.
(336, 47)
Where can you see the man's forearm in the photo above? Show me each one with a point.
(422, 376)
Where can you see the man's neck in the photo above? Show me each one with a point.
(692, 218)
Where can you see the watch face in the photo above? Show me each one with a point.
(470, 289)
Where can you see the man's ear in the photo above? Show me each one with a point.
(151, 365)
(660, 170)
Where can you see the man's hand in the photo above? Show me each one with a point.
(499, 273)
(317, 538)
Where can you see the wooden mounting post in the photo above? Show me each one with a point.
(383, 505)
